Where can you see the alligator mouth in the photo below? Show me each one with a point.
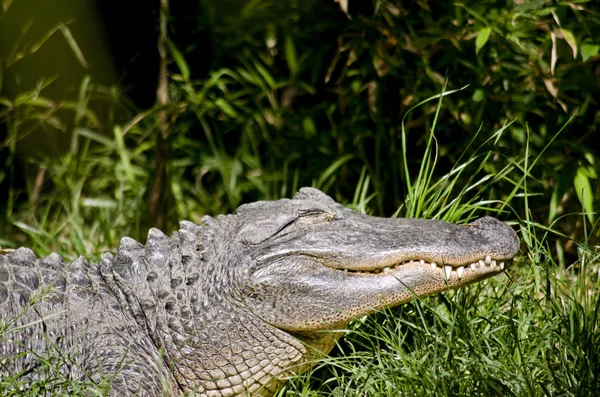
(480, 267)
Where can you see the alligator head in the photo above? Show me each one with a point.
(285, 271)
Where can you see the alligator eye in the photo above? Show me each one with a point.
(329, 216)
(311, 212)
(317, 213)
(314, 217)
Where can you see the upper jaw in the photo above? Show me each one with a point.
(388, 243)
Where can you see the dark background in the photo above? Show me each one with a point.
(282, 95)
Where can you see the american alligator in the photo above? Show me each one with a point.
(235, 305)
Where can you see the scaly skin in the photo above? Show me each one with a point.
(234, 306)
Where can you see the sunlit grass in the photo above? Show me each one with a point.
(531, 332)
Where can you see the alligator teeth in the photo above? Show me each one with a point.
(488, 261)
(447, 271)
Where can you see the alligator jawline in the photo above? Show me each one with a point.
(448, 270)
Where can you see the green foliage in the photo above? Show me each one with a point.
(277, 112)
(430, 109)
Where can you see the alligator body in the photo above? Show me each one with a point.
(233, 306)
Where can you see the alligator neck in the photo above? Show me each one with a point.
(223, 353)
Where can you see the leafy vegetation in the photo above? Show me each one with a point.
(438, 110)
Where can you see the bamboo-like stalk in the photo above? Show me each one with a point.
(157, 192)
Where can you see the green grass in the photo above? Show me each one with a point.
(532, 332)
